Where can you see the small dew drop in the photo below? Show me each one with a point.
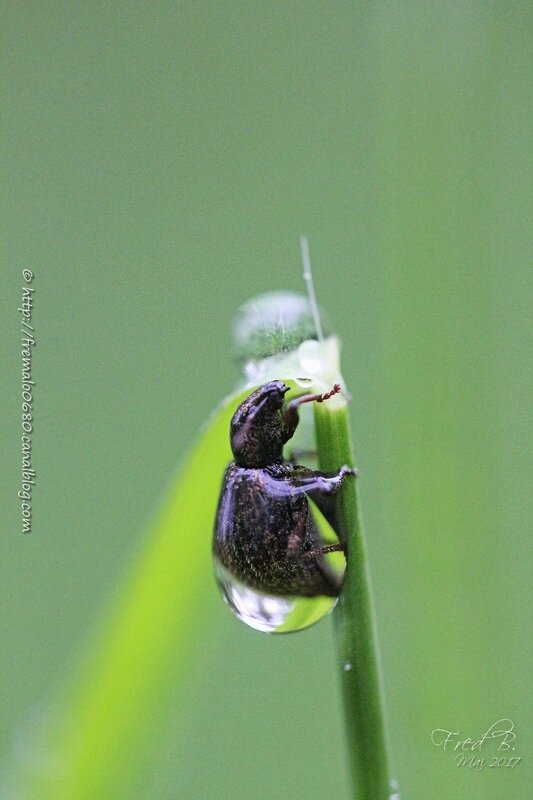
(394, 786)
(347, 666)
(274, 323)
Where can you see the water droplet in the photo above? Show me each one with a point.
(347, 666)
(393, 784)
(273, 323)
(269, 613)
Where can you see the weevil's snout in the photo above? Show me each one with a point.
(269, 397)
(274, 393)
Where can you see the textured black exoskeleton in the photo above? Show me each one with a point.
(265, 535)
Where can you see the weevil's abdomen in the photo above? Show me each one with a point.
(263, 531)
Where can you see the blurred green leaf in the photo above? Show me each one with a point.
(148, 637)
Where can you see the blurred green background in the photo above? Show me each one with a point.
(160, 161)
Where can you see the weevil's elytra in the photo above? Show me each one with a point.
(266, 542)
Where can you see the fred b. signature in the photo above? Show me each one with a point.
(475, 753)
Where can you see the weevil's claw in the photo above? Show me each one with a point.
(346, 470)
(321, 397)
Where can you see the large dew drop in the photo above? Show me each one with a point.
(272, 614)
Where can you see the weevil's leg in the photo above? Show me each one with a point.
(327, 548)
(313, 481)
(297, 536)
(291, 409)
(322, 490)
(303, 480)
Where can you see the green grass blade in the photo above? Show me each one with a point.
(355, 626)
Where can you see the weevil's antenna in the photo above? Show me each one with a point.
(308, 278)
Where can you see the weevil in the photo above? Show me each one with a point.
(265, 534)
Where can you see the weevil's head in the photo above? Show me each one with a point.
(258, 429)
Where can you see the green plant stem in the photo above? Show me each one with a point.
(355, 625)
